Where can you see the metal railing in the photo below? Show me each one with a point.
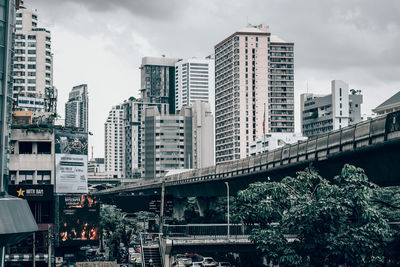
(209, 230)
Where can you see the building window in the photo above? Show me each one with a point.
(43, 177)
(26, 177)
(25, 148)
(44, 147)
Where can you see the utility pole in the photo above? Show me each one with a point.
(49, 252)
(162, 207)
(33, 251)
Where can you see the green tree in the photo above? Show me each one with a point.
(308, 221)
(117, 228)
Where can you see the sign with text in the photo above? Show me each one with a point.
(155, 205)
(78, 220)
(30, 102)
(71, 174)
(71, 162)
(32, 192)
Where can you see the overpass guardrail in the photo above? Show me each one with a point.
(209, 230)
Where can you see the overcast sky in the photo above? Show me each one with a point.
(101, 43)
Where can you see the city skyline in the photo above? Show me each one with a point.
(344, 42)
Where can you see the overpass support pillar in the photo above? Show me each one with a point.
(167, 247)
(204, 204)
(179, 208)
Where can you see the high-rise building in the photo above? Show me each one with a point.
(13, 228)
(254, 84)
(158, 82)
(33, 88)
(133, 118)
(203, 137)
(76, 109)
(194, 80)
(167, 142)
(114, 143)
(321, 114)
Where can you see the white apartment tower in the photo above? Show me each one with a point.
(114, 143)
(32, 62)
(76, 109)
(194, 80)
(254, 84)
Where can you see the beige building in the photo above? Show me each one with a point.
(181, 141)
(203, 135)
(254, 87)
(32, 64)
(32, 156)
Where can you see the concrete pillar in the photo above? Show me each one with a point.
(179, 208)
(203, 204)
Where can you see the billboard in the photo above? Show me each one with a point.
(78, 222)
(71, 149)
(30, 102)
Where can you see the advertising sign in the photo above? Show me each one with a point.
(32, 192)
(78, 220)
(155, 205)
(30, 102)
(71, 162)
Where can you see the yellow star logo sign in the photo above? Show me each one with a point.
(21, 192)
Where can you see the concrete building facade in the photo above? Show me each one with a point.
(194, 80)
(133, 118)
(114, 143)
(158, 82)
(96, 168)
(254, 75)
(321, 114)
(32, 157)
(77, 108)
(390, 105)
(203, 137)
(167, 142)
(32, 65)
(273, 141)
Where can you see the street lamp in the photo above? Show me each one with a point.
(227, 202)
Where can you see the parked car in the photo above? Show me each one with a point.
(181, 259)
(209, 262)
(224, 264)
(196, 264)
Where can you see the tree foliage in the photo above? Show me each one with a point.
(309, 221)
(117, 228)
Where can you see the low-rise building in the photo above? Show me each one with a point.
(273, 141)
(390, 105)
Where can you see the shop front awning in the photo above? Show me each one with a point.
(16, 220)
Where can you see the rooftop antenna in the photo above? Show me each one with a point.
(92, 153)
(307, 86)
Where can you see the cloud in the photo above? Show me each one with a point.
(153, 9)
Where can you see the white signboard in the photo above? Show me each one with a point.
(71, 173)
(71, 162)
(30, 102)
